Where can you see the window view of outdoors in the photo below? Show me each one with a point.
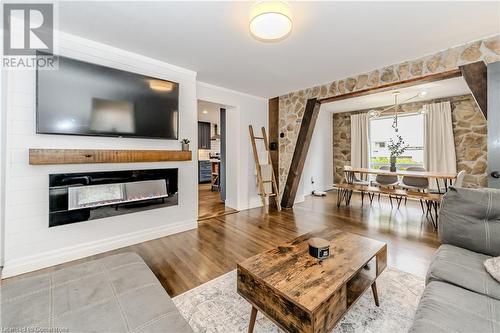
(411, 128)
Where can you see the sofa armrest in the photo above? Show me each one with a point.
(470, 218)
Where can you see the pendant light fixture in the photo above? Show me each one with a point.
(373, 114)
(270, 21)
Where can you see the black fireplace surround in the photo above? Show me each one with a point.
(76, 197)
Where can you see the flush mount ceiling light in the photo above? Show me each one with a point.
(160, 85)
(270, 21)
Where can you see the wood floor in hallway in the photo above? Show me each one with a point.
(188, 259)
(209, 203)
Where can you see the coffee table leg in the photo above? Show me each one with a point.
(375, 293)
(253, 315)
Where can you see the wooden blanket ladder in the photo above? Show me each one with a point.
(268, 168)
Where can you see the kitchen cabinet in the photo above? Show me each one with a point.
(215, 176)
(204, 171)
(204, 135)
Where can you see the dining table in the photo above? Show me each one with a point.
(447, 178)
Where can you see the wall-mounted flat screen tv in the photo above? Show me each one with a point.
(81, 98)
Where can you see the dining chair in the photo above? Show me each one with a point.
(355, 179)
(459, 182)
(358, 181)
(415, 183)
(385, 180)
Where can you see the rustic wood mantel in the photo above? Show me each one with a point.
(85, 156)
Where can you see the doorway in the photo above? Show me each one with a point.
(212, 161)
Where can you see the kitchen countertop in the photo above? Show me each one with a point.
(211, 160)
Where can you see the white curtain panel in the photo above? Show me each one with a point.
(360, 140)
(439, 143)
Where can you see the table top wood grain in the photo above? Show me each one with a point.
(420, 174)
(306, 281)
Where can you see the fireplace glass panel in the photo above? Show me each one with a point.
(112, 194)
(148, 189)
(77, 197)
(96, 195)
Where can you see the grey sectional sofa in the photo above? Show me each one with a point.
(460, 295)
(118, 293)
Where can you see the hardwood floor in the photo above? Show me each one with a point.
(188, 259)
(210, 204)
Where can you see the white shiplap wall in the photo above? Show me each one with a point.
(29, 243)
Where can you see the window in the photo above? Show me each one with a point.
(411, 128)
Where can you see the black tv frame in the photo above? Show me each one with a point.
(38, 131)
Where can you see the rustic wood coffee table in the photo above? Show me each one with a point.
(302, 294)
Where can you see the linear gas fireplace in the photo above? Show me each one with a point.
(76, 197)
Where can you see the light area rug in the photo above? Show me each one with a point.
(216, 306)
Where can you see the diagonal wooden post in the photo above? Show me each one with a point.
(300, 153)
(475, 76)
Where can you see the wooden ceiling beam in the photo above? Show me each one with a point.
(475, 74)
(395, 85)
(300, 153)
(274, 120)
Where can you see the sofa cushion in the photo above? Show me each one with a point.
(470, 218)
(447, 308)
(463, 268)
(117, 293)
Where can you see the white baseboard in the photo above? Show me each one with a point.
(324, 190)
(59, 256)
(253, 203)
(299, 198)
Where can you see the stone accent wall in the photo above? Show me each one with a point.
(471, 140)
(341, 143)
(292, 105)
(469, 129)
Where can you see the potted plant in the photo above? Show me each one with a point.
(185, 144)
(396, 148)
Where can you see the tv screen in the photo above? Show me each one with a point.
(80, 98)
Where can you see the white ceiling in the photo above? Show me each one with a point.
(438, 89)
(213, 111)
(330, 40)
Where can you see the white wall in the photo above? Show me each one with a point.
(29, 243)
(3, 136)
(240, 169)
(319, 161)
(213, 112)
